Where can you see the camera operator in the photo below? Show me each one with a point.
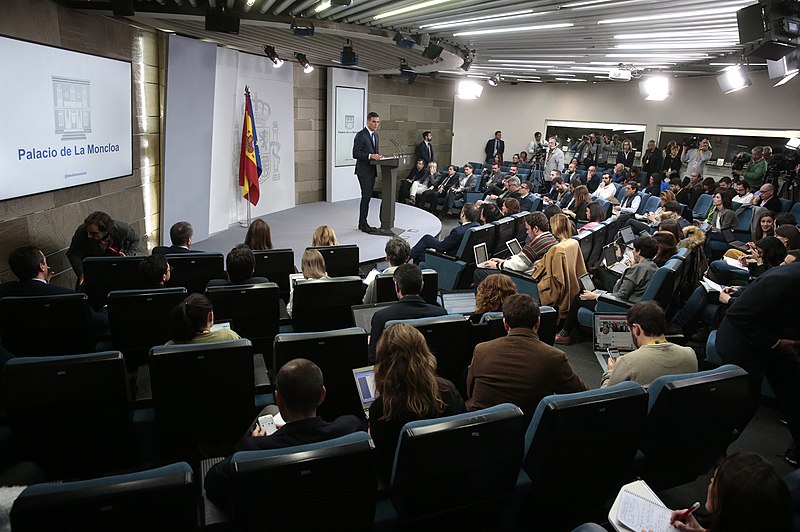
(537, 145)
(755, 169)
(586, 150)
(553, 160)
(696, 155)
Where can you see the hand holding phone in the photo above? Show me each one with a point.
(267, 424)
(613, 353)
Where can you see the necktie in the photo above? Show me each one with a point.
(496, 147)
(430, 153)
(374, 144)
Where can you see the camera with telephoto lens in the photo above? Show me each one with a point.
(691, 142)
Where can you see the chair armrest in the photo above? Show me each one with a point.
(430, 252)
(473, 196)
(448, 267)
(608, 302)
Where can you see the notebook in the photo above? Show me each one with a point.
(365, 384)
(362, 314)
(481, 255)
(638, 508)
(459, 302)
(611, 331)
(514, 246)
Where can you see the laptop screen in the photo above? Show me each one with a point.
(610, 255)
(514, 246)
(365, 384)
(362, 314)
(627, 234)
(459, 302)
(611, 330)
(481, 255)
(586, 282)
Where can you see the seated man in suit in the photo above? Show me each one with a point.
(518, 368)
(155, 271)
(438, 190)
(467, 181)
(299, 390)
(181, 236)
(450, 244)
(407, 285)
(240, 265)
(30, 266)
(493, 185)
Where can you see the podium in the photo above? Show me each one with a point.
(388, 170)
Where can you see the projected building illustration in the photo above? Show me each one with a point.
(72, 108)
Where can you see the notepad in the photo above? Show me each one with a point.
(710, 285)
(734, 262)
(636, 507)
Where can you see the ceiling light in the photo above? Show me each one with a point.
(303, 60)
(674, 46)
(515, 29)
(469, 90)
(406, 9)
(512, 14)
(677, 35)
(570, 79)
(655, 88)
(682, 56)
(322, 7)
(603, 6)
(494, 81)
(530, 60)
(793, 143)
(348, 57)
(277, 62)
(678, 14)
(733, 79)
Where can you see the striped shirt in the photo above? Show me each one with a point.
(536, 248)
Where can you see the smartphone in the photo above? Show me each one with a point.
(267, 424)
(613, 353)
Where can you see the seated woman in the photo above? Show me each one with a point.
(191, 322)
(324, 236)
(510, 206)
(556, 274)
(767, 253)
(582, 200)
(491, 294)
(595, 213)
(259, 236)
(765, 226)
(630, 287)
(312, 266)
(722, 219)
(672, 226)
(745, 493)
(789, 235)
(408, 390)
(653, 184)
(667, 247)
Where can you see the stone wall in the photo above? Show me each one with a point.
(310, 115)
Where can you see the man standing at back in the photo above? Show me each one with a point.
(366, 148)
(425, 148)
(495, 146)
(518, 368)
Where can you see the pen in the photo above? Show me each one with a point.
(688, 512)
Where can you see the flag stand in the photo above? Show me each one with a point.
(247, 222)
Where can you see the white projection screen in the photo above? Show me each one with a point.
(349, 121)
(66, 118)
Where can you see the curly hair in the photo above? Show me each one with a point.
(492, 291)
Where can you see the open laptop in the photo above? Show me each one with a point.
(628, 236)
(588, 285)
(514, 246)
(362, 314)
(613, 263)
(459, 302)
(611, 331)
(365, 384)
(481, 253)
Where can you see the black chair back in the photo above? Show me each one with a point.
(324, 304)
(504, 230)
(336, 353)
(46, 325)
(385, 292)
(71, 414)
(102, 275)
(276, 265)
(598, 241)
(253, 310)
(193, 271)
(340, 261)
(139, 320)
(548, 324)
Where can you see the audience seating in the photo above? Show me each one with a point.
(70, 414)
(157, 500)
(702, 206)
(525, 284)
(336, 353)
(46, 325)
(504, 230)
(456, 271)
(193, 271)
(621, 190)
(793, 483)
(385, 292)
(202, 393)
(276, 265)
(585, 241)
(102, 275)
(786, 204)
(612, 229)
(643, 203)
(744, 220)
(456, 473)
(548, 326)
(330, 485)
(598, 241)
(450, 340)
(795, 211)
(139, 320)
(340, 261)
(254, 311)
(579, 449)
(652, 203)
(324, 304)
(708, 407)
(520, 232)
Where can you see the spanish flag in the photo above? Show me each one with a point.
(249, 159)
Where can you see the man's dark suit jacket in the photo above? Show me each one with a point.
(123, 237)
(226, 282)
(362, 148)
(501, 148)
(409, 307)
(173, 250)
(565, 199)
(651, 163)
(422, 153)
(31, 287)
(626, 160)
(451, 242)
(301, 432)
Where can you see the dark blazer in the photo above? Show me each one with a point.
(773, 204)
(626, 160)
(501, 148)
(409, 307)
(300, 432)
(422, 153)
(226, 282)
(447, 181)
(651, 162)
(173, 250)
(526, 203)
(565, 199)
(31, 287)
(451, 242)
(672, 163)
(122, 238)
(362, 148)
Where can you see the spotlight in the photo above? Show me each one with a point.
(733, 79)
(303, 60)
(406, 72)
(277, 62)
(403, 41)
(302, 28)
(348, 57)
(494, 81)
(469, 57)
(655, 88)
(469, 90)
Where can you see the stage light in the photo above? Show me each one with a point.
(348, 57)
(469, 90)
(733, 79)
(303, 60)
(655, 88)
(406, 72)
(494, 81)
(277, 62)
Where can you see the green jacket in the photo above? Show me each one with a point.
(754, 173)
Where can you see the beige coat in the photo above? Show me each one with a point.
(557, 275)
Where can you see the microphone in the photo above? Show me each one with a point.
(397, 147)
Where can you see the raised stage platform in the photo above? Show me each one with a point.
(293, 227)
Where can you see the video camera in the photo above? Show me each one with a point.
(691, 142)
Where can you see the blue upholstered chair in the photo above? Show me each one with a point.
(457, 472)
(592, 436)
(455, 271)
(744, 221)
(708, 407)
(276, 265)
(702, 206)
(598, 241)
(340, 261)
(253, 311)
(795, 211)
(786, 204)
(102, 275)
(504, 230)
(158, 500)
(793, 483)
(585, 241)
(713, 358)
(652, 204)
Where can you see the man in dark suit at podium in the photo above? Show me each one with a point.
(366, 147)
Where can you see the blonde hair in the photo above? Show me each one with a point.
(324, 236)
(492, 291)
(561, 226)
(313, 265)
(405, 374)
(667, 195)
